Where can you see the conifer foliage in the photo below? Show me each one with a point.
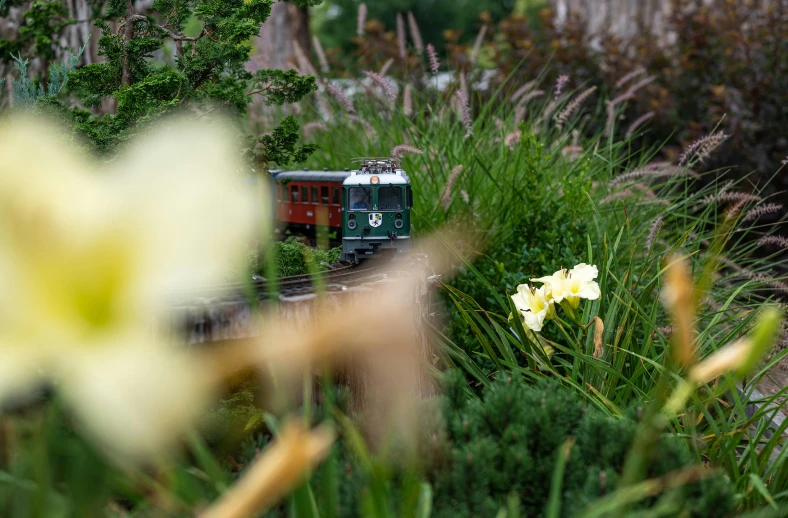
(182, 54)
(483, 454)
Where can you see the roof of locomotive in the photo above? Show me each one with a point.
(311, 176)
(398, 178)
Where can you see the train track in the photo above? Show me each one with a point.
(226, 312)
(338, 279)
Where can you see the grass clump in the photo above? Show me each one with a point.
(295, 258)
(542, 196)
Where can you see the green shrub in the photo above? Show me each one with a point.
(477, 453)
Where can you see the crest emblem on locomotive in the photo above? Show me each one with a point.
(375, 219)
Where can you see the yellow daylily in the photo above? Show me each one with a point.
(89, 259)
(572, 285)
(534, 305)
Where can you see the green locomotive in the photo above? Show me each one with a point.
(376, 203)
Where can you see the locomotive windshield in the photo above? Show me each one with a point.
(360, 198)
(389, 197)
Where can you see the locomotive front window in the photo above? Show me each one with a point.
(336, 195)
(324, 195)
(389, 197)
(294, 193)
(360, 198)
(304, 194)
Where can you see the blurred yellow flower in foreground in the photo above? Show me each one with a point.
(88, 257)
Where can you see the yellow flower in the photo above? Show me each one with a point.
(90, 257)
(572, 285)
(534, 305)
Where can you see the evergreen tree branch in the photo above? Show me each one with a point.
(128, 35)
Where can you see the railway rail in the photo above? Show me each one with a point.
(333, 280)
(226, 312)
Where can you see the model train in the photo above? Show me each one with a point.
(368, 207)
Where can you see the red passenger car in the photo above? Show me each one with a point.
(301, 197)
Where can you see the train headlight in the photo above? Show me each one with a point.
(351, 224)
(398, 223)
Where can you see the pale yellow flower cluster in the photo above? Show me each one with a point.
(565, 287)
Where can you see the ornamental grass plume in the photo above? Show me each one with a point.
(407, 100)
(563, 116)
(454, 175)
(415, 34)
(321, 55)
(433, 57)
(305, 66)
(405, 149)
(310, 128)
(512, 139)
(383, 84)
(386, 66)
(702, 147)
(560, 83)
(477, 44)
(655, 170)
(465, 112)
(777, 241)
(371, 132)
(629, 94)
(638, 123)
(630, 76)
(527, 87)
(91, 256)
(653, 230)
(761, 210)
(361, 19)
(340, 96)
(401, 42)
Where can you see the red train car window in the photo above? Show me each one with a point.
(324, 195)
(294, 193)
(314, 194)
(304, 194)
(336, 195)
